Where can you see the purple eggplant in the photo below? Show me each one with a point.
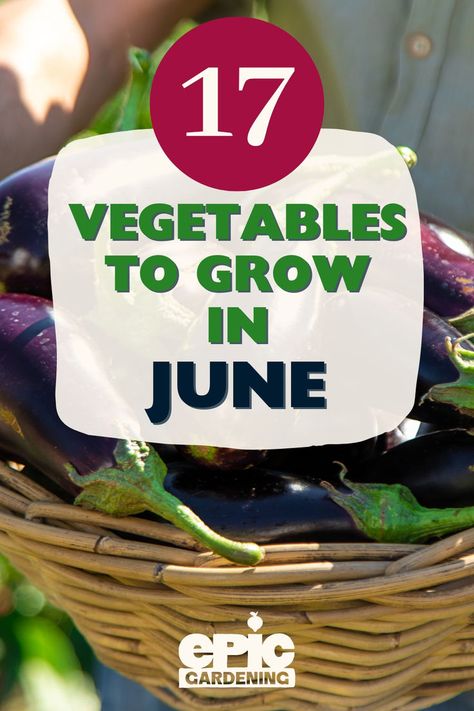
(448, 259)
(24, 262)
(29, 424)
(115, 476)
(123, 478)
(315, 462)
(265, 504)
(438, 373)
(437, 467)
(312, 462)
(270, 506)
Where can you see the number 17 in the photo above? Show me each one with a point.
(210, 100)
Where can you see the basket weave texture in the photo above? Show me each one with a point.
(375, 626)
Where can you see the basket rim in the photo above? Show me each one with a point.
(72, 536)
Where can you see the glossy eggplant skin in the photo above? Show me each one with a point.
(24, 262)
(30, 428)
(436, 367)
(261, 504)
(319, 462)
(438, 468)
(448, 273)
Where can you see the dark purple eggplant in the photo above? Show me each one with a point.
(24, 262)
(115, 476)
(437, 367)
(314, 461)
(271, 506)
(325, 461)
(29, 424)
(437, 467)
(448, 259)
(222, 458)
(265, 504)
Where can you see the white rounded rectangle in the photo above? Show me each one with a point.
(343, 314)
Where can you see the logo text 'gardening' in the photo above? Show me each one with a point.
(208, 662)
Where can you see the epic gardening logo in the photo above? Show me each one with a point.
(206, 660)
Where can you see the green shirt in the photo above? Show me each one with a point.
(403, 69)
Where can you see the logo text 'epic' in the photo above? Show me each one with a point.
(264, 661)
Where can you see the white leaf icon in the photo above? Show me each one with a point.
(254, 621)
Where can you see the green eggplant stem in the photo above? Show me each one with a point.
(464, 322)
(460, 393)
(408, 155)
(389, 513)
(136, 485)
(138, 86)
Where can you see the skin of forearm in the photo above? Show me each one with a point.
(61, 60)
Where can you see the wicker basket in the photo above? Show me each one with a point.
(375, 626)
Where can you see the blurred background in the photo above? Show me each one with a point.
(45, 662)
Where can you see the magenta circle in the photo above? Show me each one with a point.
(230, 162)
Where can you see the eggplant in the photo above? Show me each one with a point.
(123, 477)
(30, 427)
(114, 476)
(271, 506)
(264, 504)
(438, 369)
(24, 261)
(221, 458)
(312, 462)
(325, 461)
(437, 467)
(448, 260)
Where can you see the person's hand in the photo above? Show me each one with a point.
(43, 62)
(60, 60)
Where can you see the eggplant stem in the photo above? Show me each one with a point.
(460, 393)
(464, 322)
(141, 71)
(389, 513)
(343, 471)
(464, 337)
(136, 485)
(408, 155)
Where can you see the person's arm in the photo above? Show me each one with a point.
(60, 60)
